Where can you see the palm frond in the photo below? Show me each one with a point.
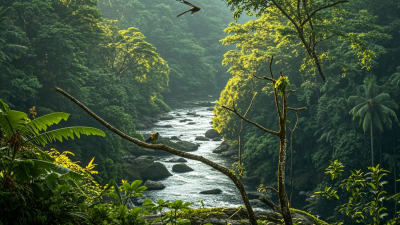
(11, 121)
(380, 98)
(65, 133)
(43, 122)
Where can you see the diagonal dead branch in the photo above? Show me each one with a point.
(249, 121)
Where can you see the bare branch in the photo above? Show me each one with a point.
(264, 78)
(268, 202)
(249, 121)
(315, 11)
(296, 109)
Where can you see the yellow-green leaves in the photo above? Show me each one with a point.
(281, 84)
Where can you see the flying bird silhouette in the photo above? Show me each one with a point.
(194, 8)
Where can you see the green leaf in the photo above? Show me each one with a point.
(65, 133)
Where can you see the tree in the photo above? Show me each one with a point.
(316, 22)
(279, 87)
(374, 109)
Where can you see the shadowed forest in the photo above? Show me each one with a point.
(306, 93)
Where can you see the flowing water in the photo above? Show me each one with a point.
(186, 186)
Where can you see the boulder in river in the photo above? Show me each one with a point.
(217, 139)
(140, 126)
(212, 191)
(210, 109)
(177, 160)
(220, 149)
(191, 123)
(188, 145)
(155, 171)
(191, 113)
(211, 133)
(175, 138)
(166, 117)
(153, 185)
(201, 138)
(165, 126)
(181, 168)
(185, 120)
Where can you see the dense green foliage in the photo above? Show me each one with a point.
(354, 40)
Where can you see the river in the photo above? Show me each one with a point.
(186, 186)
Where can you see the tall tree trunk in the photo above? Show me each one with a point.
(395, 183)
(281, 182)
(372, 144)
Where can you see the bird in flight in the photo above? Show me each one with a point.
(153, 138)
(194, 8)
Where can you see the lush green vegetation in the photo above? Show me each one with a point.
(355, 44)
(121, 58)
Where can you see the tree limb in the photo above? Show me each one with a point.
(249, 121)
(296, 109)
(268, 202)
(315, 11)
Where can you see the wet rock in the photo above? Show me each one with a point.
(201, 138)
(215, 221)
(177, 160)
(191, 123)
(210, 109)
(212, 191)
(211, 133)
(181, 168)
(155, 171)
(229, 153)
(185, 120)
(175, 138)
(196, 115)
(140, 126)
(257, 203)
(217, 139)
(177, 114)
(220, 149)
(153, 185)
(188, 145)
(166, 126)
(147, 157)
(166, 117)
(191, 113)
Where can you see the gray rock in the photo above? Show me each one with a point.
(228, 153)
(217, 139)
(166, 117)
(220, 149)
(213, 191)
(257, 203)
(188, 145)
(166, 126)
(191, 113)
(210, 109)
(140, 126)
(147, 157)
(177, 160)
(155, 171)
(185, 120)
(153, 185)
(181, 168)
(211, 133)
(191, 123)
(215, 221)
(196, 115)
(201, 138)
(175, 138)
(177, 114)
